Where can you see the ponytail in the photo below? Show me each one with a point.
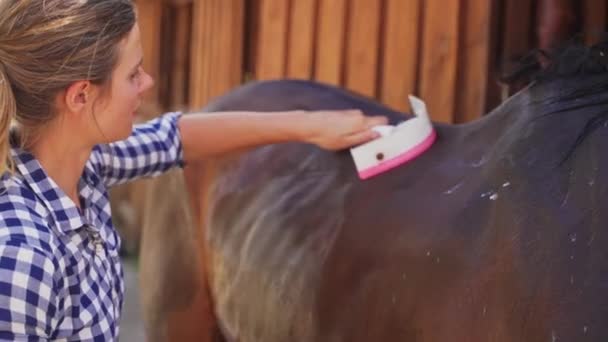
(8, 110)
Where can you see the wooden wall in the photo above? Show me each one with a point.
(449, 52)
(385, 49)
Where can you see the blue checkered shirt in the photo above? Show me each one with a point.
(60, 271)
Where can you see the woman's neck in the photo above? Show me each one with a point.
(62, 158)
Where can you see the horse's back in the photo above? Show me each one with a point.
(285, 95)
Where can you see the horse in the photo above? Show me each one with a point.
(496, 233)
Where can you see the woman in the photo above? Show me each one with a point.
(71, 77)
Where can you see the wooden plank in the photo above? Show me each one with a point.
(517, 28)
(440, 57)
(272, 39)
(149, 14)
(199, 52)
(556, 22)
(166, 55)
(301, 34)
(181, 53)
(494, 88)
(228, 62)
(252, 19)
(594, 19)
(217, 49)
(179, 2)
(363, 46)
(400, 59)
(180, 56)
(516, 38)
(330, 41)
(237, 35)
(474, 61)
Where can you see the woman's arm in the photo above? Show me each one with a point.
(207, 134)
(29, 303)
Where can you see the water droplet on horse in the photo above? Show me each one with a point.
(428, 253)
(454, 188)
(585, 329)
(506, 184)
(494, 197)
(553, 336)
(485, 309)
(479, 163)
(565, 199)
(486, 194)
(572, 257)
(572, 280)
(573, 237)
(437, 260)
(591, 182)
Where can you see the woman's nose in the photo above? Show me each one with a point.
(147, 82)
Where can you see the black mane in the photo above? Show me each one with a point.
(572, 78)
(571, 59)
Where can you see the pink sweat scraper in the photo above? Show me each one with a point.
(397, 144)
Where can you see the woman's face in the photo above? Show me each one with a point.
(115, 111)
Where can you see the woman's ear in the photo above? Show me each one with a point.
(78, 96)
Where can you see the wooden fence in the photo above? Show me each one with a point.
(449, 52)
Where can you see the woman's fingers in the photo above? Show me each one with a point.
(362, 121)
(372, 121)
(360, 138)
(342, 129)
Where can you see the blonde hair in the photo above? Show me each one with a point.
(45, 46)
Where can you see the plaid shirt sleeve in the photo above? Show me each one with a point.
(28, 300)
(153, 148)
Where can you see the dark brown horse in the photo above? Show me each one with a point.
(497, 233)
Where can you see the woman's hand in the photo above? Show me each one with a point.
(335, 130)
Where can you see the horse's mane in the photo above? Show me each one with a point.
(571, 59)
(577, 73)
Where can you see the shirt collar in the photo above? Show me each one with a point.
(63, 209)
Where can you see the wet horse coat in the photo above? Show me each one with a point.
(497, 233)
